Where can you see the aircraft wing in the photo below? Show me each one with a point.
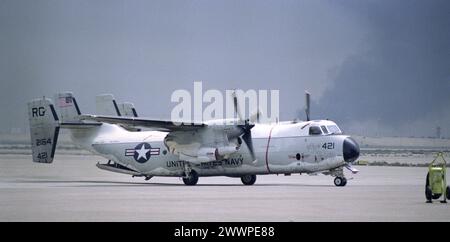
(161, 125)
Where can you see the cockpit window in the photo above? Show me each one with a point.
(314, 130)
(334, 129)
(324, 129)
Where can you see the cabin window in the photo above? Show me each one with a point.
(324, 129)
(314, 130)
(334, 129)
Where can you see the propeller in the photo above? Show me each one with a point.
(247, 137)
(307, 102)
(245, 128)
(236, 106)
(255, 117)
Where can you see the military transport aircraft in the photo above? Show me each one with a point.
(241, 148)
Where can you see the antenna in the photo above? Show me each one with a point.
(307, 105)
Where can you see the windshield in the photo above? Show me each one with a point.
(334, 129)
(314, 130)
(324, 129)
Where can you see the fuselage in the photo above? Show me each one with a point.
(279, 148)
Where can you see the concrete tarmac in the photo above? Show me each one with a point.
(73, 189)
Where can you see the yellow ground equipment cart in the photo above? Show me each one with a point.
(436, 183)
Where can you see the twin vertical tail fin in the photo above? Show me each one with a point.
(127, 110)
(67, 107)
(44, 129)
(107, 105)
(46, 119)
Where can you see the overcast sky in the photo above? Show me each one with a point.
(375, 67)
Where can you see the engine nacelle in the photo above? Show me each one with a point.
(226, 150)
(219, 153)
(207, 153)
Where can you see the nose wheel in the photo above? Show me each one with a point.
(340, 181)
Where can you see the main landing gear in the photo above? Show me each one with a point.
(191, 177)
(248, 179)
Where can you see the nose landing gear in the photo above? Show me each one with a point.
(340, 181)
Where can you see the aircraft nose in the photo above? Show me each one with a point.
(350, 150)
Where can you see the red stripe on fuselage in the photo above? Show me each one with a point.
(267, 148)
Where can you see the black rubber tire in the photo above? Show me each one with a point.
(338, 181)
(428, 194)
(436, 196)
(345, 182)
(248, 180)
(192, 179)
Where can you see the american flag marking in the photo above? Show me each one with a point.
(64, 102)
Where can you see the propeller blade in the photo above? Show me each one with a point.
(246, 127)
(247, 137)
(255, 117)
(236, 106)
(307, 95)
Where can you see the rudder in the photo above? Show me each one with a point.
(44, 129)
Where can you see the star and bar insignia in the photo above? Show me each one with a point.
(142, 152)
